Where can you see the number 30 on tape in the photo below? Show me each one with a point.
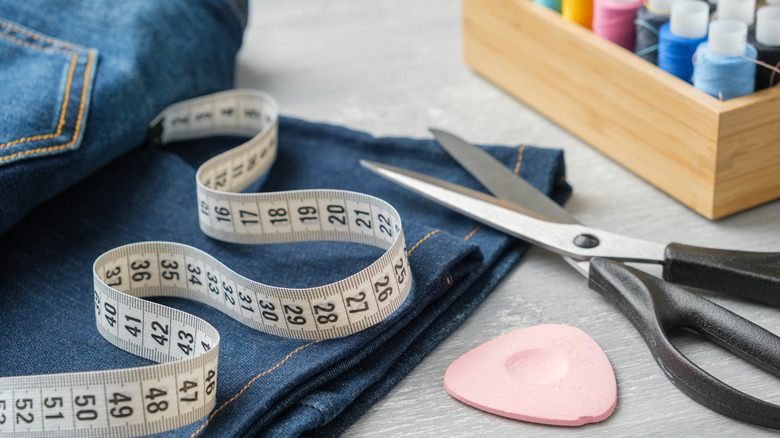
(181, 389)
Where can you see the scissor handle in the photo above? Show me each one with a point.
(752, 275)
(655, 306)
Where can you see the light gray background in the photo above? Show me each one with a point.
(395, 67)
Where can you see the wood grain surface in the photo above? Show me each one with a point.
(395, 67)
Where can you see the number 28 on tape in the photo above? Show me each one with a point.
(181, 388)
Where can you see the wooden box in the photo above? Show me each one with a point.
(717, 157)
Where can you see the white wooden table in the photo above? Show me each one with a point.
(394, 67)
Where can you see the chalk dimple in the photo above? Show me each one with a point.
(537, 366)
(550, 374)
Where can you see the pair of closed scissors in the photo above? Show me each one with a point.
(654, 306)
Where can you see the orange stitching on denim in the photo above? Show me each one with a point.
(422, 240)
(448, 280)
(78, 120)
(87, 70)
(519, 158)
(473, 232)
(249, 384)
(35, 36)
(32, 46)
(62, 112)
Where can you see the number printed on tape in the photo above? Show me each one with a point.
(181, 389)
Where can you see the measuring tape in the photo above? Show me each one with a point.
(181, 389)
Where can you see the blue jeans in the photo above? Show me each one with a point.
(149, 194)
(267, 385)
(80, 80)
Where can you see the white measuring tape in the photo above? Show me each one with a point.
(181, 388)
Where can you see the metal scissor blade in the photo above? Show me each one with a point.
(501, 181)
(517, 222)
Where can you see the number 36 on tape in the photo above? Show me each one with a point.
(181, 388)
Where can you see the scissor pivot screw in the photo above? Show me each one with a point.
(586, 241)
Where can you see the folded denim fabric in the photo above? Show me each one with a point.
(267, 385)
(80, 81)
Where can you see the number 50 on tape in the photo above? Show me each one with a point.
(181, 388)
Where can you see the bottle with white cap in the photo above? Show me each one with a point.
(766, 38)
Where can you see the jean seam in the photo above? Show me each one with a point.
(35, 46)
(519, 159)
(232, 399)
(307, 404)
(63, 111)
(37, 36)
(473, 232)
(422, 240)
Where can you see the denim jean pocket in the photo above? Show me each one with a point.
(45, 88)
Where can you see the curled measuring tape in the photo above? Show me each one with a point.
(181, 388)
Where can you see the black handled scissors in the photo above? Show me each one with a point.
(653, 305)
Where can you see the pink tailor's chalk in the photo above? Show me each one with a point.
(550, 374)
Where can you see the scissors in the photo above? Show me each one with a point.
(654, 306)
